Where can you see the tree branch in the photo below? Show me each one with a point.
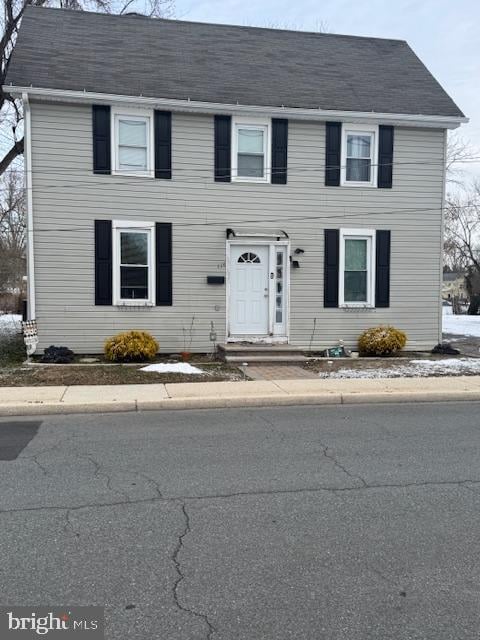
(10, 156)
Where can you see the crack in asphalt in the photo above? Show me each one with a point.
(239, 494)
(274, 429)
(69, 525)
(35, 456)
(181, 575)
(99, 473)
(341, 467)
(39, 464)
(153, 481)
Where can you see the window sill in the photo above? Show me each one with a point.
(130, 303)
(357, 307)
(366, 185)
(124, 174)
(252, 180)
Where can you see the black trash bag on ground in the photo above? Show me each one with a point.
(446, 349)
(57, 355)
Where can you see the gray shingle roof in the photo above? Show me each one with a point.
(128, 55)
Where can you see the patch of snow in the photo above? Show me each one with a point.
(174, 367)
(414, 368)
(10, 323)
(460, 325)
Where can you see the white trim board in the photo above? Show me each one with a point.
(31, 303)
(88, 97)
(370, 235)
(124, 225)
(371, 130)
(117, 113)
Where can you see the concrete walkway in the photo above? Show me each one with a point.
(278, 372)
(197, 395)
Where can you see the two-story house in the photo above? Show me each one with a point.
(271, 185)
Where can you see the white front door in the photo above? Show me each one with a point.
(249, 290)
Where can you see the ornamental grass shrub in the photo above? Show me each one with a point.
(131, 346)
(381, 341)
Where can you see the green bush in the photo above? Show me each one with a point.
(381, 341)
(131, 346)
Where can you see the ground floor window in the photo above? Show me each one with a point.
(133, 269)
(357, 266)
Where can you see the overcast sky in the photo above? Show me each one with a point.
(444, 34)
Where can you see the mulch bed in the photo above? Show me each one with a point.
(91, 374)
(13, 373)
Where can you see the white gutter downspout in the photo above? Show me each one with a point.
(442, 231)
(27, 152)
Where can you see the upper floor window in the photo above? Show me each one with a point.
(357, 277)
(133, 269)
(359, 150)
(132, 143)
(250, 149)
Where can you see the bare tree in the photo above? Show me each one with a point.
(462, 224)
(12, 233)
(462, 240)
(319, 26)
(460, 152)
(11, 142)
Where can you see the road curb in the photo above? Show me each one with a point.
(219, 402)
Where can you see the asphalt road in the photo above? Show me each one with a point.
(350, 522)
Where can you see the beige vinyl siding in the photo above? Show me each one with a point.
(67, 198)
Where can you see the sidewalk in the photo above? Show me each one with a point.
(203, 395)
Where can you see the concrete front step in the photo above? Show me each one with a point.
(265, 359)
(239, 352)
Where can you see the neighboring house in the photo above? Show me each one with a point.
(454, 286)
(284, 186)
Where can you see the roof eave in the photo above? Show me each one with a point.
(88, 97)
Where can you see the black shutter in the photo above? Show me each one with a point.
(385, 156)
(163, 270)
(382, 269)
(330, 274)
(163, 145)
(223, 135)
(333, 146)
(103, 262)
(279, 150)
(101, 138)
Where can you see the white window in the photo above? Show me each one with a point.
(357, 268)
(251, 150)
(359, 153)
(133, 263)
(132, 143)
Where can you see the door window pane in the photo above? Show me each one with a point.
(279, 287)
